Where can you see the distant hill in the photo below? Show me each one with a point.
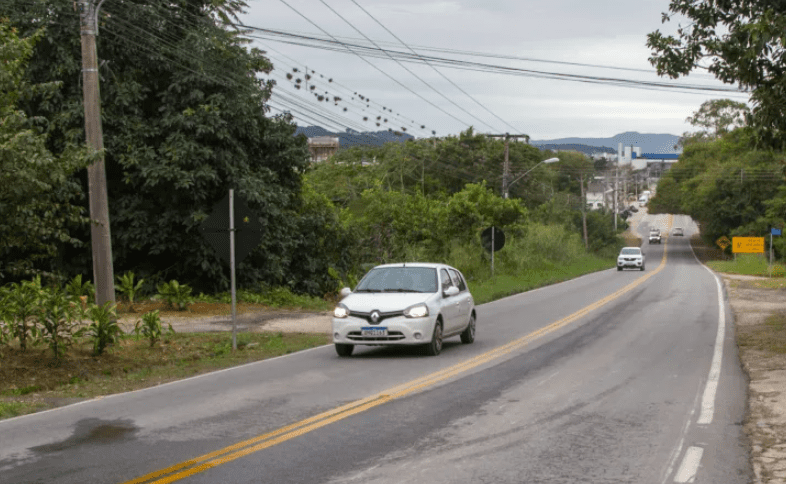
(351, 138)
(649, 143)
(586, 149)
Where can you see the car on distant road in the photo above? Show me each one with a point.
(678, 231)
(654, 236)
(405, 304)
(630, 257)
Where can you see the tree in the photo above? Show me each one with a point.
(37, 197)
(719, 115)
(184, 111)
(742, 43)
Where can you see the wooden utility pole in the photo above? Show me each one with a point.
(584, 211)
(100, 236)
(506, 163)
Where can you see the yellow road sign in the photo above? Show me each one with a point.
(747, 245)
(723, 242)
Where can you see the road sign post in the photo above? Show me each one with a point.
(773, 231)
(248, 236)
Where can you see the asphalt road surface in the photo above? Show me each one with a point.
(613, 377)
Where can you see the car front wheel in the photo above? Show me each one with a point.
(434, 347)
(468, 336)
(344, 349)
(642, 267)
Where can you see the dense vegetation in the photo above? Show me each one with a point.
(730, 188)
(185, 118)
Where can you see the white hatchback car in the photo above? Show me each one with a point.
(405, 304)
(630, 257)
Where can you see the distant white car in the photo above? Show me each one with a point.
(630, 257)
(405, 304)
(678, 231)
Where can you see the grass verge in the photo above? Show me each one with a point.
(505, 285)
(31, 382)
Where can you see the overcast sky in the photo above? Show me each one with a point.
(608, 33)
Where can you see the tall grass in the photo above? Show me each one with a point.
(546, 255)
(748, 264)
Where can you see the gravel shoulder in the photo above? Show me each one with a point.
(254, 322)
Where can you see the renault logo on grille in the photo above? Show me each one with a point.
(374, 316)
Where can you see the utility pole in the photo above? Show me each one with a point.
(584, 211)
(616, 176)
(100, 236)
(506, 163)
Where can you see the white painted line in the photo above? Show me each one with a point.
(690, 465)
(708, 400)
(678, 449)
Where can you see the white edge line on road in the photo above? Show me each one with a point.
(678, 449)
(708, 400)
(690, 465)
(175, 382)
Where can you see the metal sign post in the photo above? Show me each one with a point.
(232, 266)
(492, 250)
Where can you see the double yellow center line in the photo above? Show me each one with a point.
(261, 442)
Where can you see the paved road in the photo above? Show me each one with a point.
(612, 377)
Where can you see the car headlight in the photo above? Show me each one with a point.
(416, 311)
(340, 311)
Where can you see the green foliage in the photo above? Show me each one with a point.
(740, 43)
(429, 167)
(126, 286)
(719, 116)
(103, 329)
(183, 121)
(58, 320)
(24, 302)
(37, 195)
(149, 327)
(175, 295)
(76, 288)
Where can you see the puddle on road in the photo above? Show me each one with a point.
(92, 431)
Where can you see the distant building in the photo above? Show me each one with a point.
(322, 147)
(597, 198)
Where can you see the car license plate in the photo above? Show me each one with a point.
(371, 331)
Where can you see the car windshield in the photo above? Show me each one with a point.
(399, 279)
(631, 251)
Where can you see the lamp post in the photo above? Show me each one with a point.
(507, 185)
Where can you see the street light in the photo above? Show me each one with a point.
(507, 187)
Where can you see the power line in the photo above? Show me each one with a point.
(435, 69)
(324, 44)
(366, 61)
(404, 67)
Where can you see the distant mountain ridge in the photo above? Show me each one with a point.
(649, 143)
(586, 149)
(351, 138)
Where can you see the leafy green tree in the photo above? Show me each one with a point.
(718, 116)
(184, 119)
(37, 196)
(740, 43)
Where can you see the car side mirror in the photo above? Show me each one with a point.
(451, 291)
(345, 292)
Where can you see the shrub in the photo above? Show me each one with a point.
(76, 288)
(58, 318)
(104, 329)
(149, 327)
(127, 287)
(24, 307)
(176, 295)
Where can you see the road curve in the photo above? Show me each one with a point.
(612, 377)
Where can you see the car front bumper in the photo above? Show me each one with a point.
(628, 263)
(400, 331)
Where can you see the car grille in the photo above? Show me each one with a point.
(392, 336)
(382, 316)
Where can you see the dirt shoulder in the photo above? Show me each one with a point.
(759, 307)
(253, 318)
